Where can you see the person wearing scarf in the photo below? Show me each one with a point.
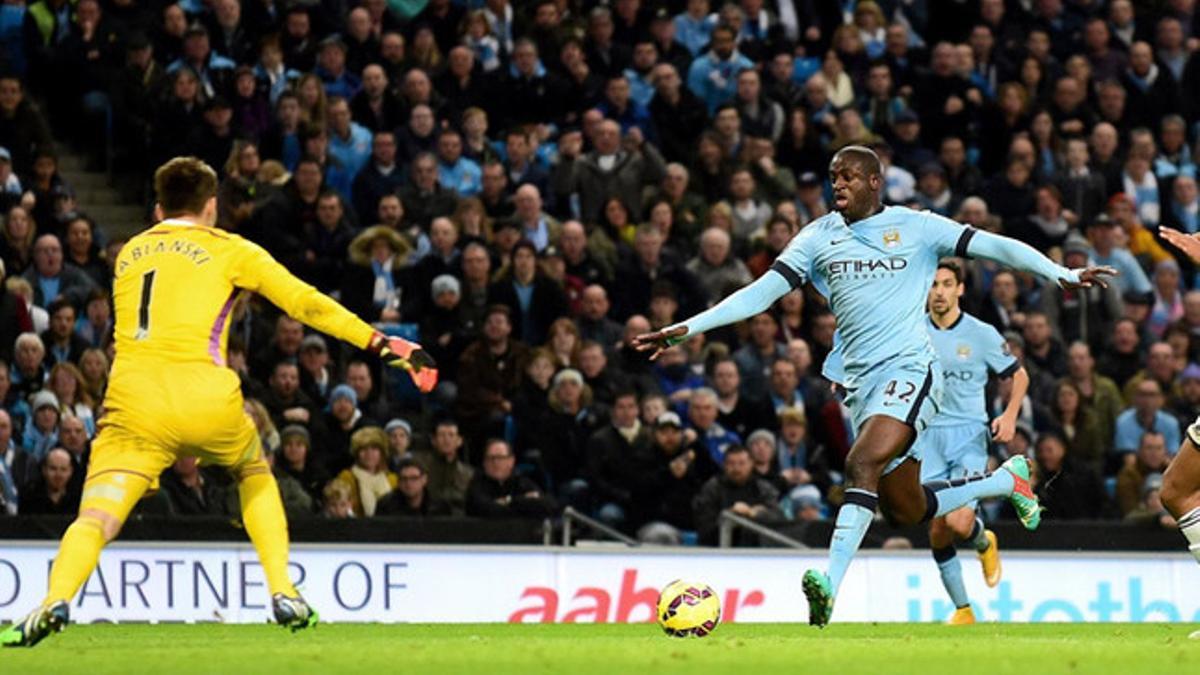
(372, 288)
(369, 477)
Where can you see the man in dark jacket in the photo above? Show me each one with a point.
(381, 176)
(607, 171)
(411, 498)
(1068, 490)
(621, 465)
(737, 490)
(497, 492)
(424, 199)
(488, 374)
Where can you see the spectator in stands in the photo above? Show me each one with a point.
(799, 459)
(754, 359)
(1098, 393)
(621, 465)
(1067, 490)
(449, 475)
(533, 299)
(411, 498)
(1152, 458)
(336, 498)
(371, 287)
(740, 491)
(343, 420)
(1123, 357)
(82, 252)
(1145, 415)
(703, 425)
(497, 492)
(29, 374)
(608, 170)
(1086, 314)
(66, 382)
(1160, 367)
(9, 479)
(1080, 429)
(23, 129)
(424, 199)
(50, 279)
(739, 413)
(369, 478)
(294, 461)
(190, 491)
(716, 268)
(52, 494)
(286, 402)
(400, 439)
(62, 344)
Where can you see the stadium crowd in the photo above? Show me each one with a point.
(523, 186)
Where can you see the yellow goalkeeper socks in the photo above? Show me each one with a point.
(262, 513)
(77, 556)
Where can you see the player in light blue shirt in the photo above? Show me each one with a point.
(955, 445)
(875, 266)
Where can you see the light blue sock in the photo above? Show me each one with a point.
(853, 519)
(952, 579)
(977, 538)
(954, 494)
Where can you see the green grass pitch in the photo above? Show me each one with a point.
(746, 649)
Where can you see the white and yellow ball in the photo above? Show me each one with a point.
(688, 609)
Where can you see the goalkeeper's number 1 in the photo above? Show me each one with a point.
(143, 330)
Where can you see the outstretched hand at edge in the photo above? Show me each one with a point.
(659, 340)
(1188, 243)
(1091, 276)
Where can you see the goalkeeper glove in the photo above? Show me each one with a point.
(400, 353)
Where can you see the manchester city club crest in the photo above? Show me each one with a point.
(891, 238)
(964, 352)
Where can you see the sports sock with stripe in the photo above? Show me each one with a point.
(952, 577)
(978, 536)
(944, 496)
(853, 519)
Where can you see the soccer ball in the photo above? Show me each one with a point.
(687, 609)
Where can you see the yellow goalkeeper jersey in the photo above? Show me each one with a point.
(174, 290)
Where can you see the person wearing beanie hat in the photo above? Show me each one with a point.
(296, 459)
(342, 419)
(445, 283)
(399, 434)
(369, 477)
(761, 443)
(41, 433)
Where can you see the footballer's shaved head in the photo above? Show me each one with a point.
(860, 155)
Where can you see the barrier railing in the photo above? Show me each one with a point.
(728, 522)
(570, 517)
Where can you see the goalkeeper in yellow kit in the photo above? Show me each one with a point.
(170, 392)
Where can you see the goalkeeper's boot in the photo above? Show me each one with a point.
(820, 598)
(34, 628)
(963, 616)
(1022, 497)
(293, 612)
(990, 559)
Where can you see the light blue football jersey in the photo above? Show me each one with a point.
(968, 350)
(876, 275)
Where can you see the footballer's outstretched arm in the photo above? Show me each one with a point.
(752, 299)
(1026, 258)
(257, 271)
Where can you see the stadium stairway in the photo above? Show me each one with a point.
(96, 196)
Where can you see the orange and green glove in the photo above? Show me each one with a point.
(400, 353)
